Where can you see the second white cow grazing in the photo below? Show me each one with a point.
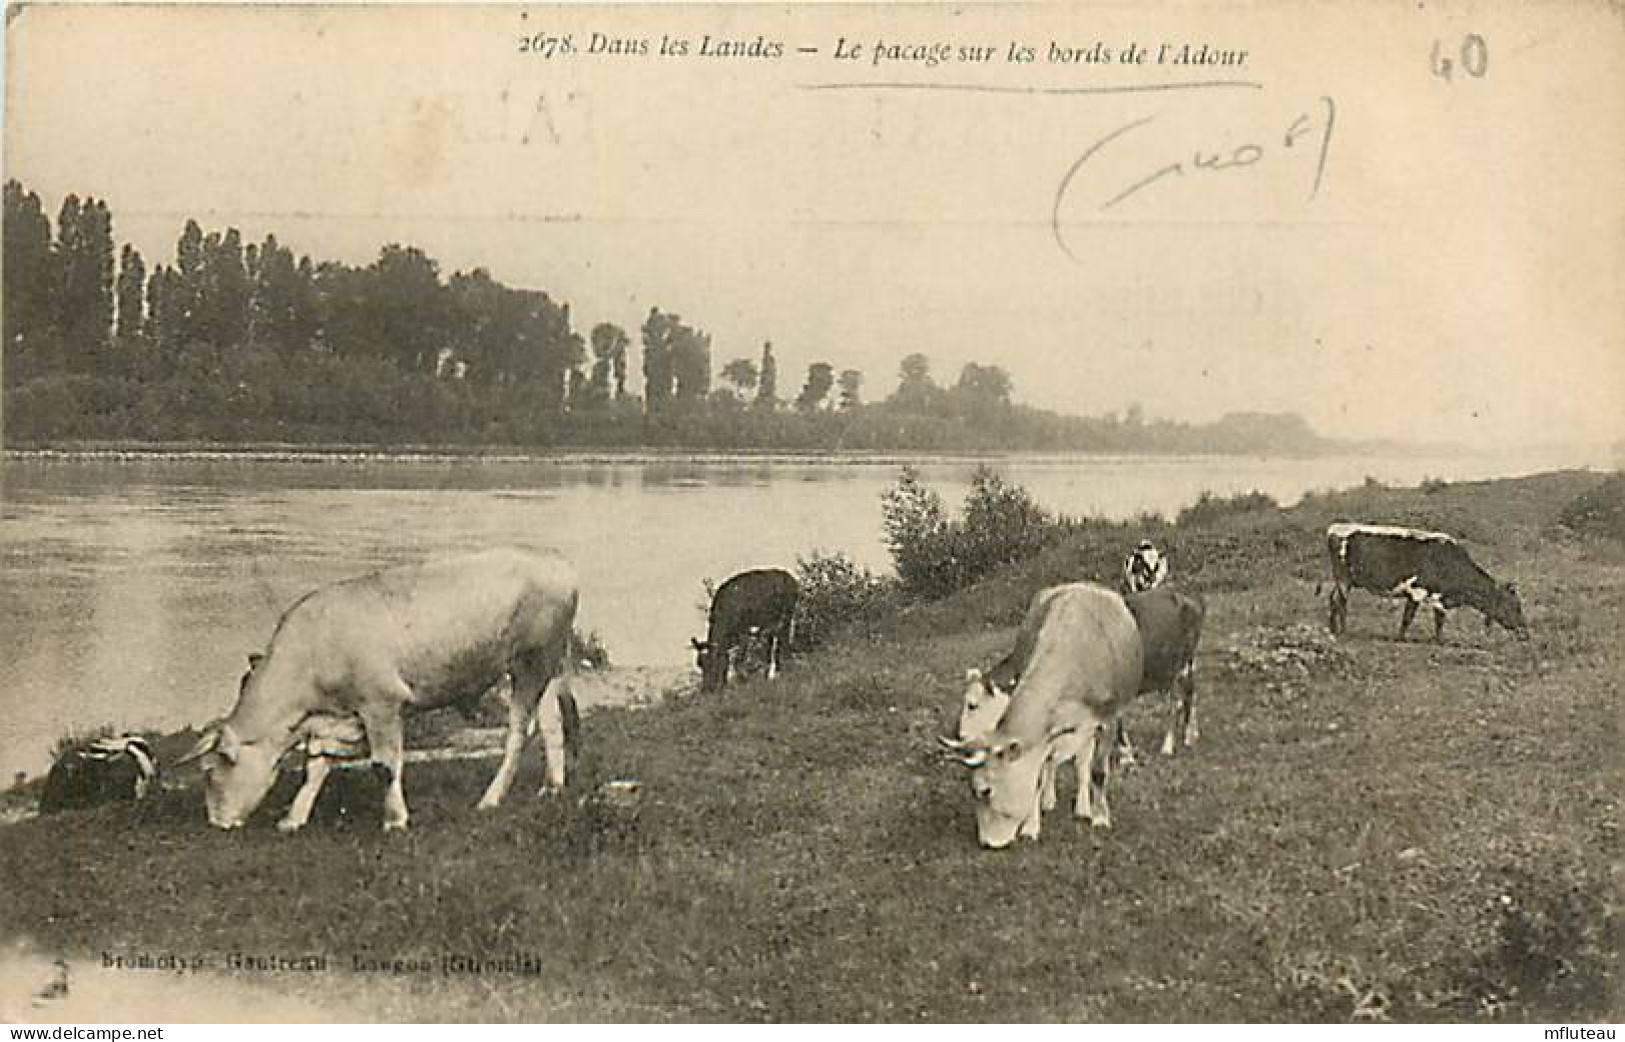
(374, 647)
(1084, 666)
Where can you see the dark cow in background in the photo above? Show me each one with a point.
(1170, 623)
(107, 770)
(761, 601)
(1423, 568)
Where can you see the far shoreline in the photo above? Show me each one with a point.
(271, 451)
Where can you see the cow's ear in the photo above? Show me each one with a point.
(1011, 750)
(699, 645)
(973, 675)
(206, 744)
(254, 659)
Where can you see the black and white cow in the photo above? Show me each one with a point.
(107, 770)
(1145, 569)
(762, 602)
(1422, 568)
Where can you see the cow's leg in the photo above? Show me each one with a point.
(1405, 619)
(316, 770)
(387, 739)
(1337, 615)
(1176, 709)
(1098, 765)
(1046, 785)
(1122, 747)
(772, 653)
(1188, 731)
(1035, 814)
(527, 691)
(1438, 624)
(555, 735)
(1084, 805)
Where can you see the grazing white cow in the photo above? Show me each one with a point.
(366, 650)
(1084, 663)
(1170, 625)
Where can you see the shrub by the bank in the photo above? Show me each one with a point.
(835, 592)
(934, 554)
(1209, 508)
(1599, 511)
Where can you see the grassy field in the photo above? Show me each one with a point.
(1367, 829)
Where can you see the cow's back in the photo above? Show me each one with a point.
(446, 627)
(759, 597)
(1170, 625)
(1086, 657)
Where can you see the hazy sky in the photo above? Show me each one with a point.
(1456, 274)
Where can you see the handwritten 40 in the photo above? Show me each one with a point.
(1310, 130)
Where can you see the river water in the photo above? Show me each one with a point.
(131, 588)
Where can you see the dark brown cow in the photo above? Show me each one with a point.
(762, 601)
(1423, 568)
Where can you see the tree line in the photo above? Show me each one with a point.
(233, 341)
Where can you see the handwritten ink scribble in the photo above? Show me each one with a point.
(1196, 162)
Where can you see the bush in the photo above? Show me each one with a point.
(1599, 512)
(835, 591)
(1003, 524)
(1430, 486)
(1209, 508)
(935, 555)
(919, 536)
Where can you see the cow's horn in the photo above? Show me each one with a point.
(205, 745)
(951, 743)
(974, 758)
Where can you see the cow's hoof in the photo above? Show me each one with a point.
(1101, 821)
(288, 826)
(548, 792)
(395, 826)
(1168, 745)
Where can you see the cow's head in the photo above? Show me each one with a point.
(237, 774)
(712, 663)
(1006, 777)
(1505, 608)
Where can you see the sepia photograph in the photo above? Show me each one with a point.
(812, 513)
